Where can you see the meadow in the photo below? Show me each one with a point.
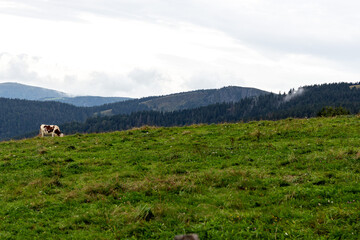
(287, 179)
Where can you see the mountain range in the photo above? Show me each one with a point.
(18, 115)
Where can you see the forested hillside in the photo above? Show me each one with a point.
(194, 99)
(181, 101)
(21, 116)
(306, 102)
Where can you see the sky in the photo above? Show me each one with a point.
(139, 48)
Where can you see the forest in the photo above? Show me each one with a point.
(23, 116)
(306, 102)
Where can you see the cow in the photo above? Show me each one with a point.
(50, 130)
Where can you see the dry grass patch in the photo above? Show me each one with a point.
(290, 178)
(186, 132)
(39, 182)
(72, 195)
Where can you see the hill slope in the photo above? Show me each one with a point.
(181, 101)
(296, 179)
(194, 99)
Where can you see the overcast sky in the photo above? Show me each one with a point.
(138, 48)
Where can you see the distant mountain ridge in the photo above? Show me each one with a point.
(87, 101)
(21, 91)
(117, 105)
(181, 101)
(200, 98)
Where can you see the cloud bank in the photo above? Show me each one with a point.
(140, 48)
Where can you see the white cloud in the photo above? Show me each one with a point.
(294, 94)
(140, 48)
(17, 67)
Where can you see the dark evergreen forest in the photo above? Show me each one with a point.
(306, 102)
(19, 116)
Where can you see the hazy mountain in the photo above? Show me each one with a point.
(26, 92)
(87, 101)
(21, 91)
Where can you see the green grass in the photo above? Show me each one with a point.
(289, 179)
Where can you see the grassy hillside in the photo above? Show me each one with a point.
(295, 179)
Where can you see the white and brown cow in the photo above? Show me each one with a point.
(50, 130)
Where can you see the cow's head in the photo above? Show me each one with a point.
(57, 132)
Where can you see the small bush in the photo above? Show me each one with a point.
(332, 112)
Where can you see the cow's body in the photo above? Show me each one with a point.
(50, 130)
